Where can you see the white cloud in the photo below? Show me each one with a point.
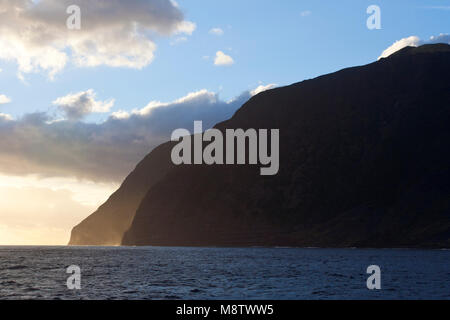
(439, 7)
(216, 31)
(202, 97)
(222, 59)
(262, 88)
(413, 41)
(186, 27)
(305, 13)
(77, 105)
(120, 115)
(178, 40)
(4, 99)
(442, 38)
(113, 33)
(5, 117)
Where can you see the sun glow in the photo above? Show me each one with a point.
(36, 211)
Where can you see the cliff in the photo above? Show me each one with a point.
(364, 156)
(107, 225)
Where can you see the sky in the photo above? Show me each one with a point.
(80, 107)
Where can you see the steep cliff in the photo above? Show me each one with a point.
(364, 156)
(107, 225)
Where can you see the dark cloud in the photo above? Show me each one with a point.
(108, 151)
(77, 105)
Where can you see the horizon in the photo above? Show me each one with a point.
(78, 111)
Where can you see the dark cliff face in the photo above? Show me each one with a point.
(364, 156)
(107, 225)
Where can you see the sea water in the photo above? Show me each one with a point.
(222, 273)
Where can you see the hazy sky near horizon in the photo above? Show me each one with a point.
(80, 108)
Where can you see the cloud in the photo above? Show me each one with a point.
(305, 13)
(438, 7)
(45, 218)
(178, 41)
(4, 99)
(120, 115)
(222, 59)
(115, 33)
(262, 88)
(5, 117)
(442, 38)
(216, 31)
(77, 105)
(413, 41)
(52, 207)
(108, 151)
(201, 97)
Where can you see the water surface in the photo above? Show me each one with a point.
(222, 273)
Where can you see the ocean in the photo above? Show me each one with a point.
(222, 273)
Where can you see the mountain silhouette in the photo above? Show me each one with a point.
(364, 162)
